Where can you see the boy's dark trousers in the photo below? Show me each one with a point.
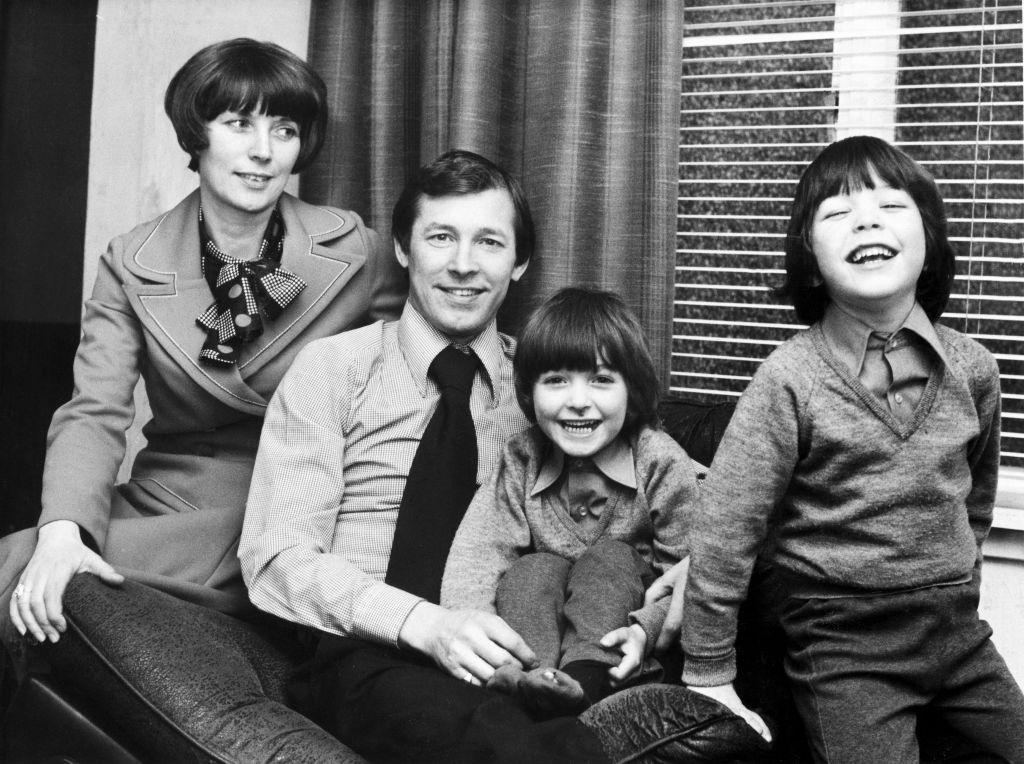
(862, 667)
(562, 609)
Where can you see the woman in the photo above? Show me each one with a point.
(210, 303)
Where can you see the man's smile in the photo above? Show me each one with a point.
(464, 292)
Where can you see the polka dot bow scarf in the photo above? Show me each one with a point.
(245, 292)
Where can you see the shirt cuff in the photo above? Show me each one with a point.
(380, 612)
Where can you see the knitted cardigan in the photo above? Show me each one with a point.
(505, 522)
(847, 497)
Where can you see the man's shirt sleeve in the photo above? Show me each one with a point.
(295, 498)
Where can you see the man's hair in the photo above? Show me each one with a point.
(846, 166)
(457, 173)
(244, 75)
(571, 330)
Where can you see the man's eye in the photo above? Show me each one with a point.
(489, 242)
(440, 237)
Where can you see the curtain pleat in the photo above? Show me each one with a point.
(579, 99)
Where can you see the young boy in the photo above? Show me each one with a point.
(861, 463)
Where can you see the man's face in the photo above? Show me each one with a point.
(461, 259)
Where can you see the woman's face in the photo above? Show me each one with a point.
(248, 162)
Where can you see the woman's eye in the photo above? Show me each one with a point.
(287, 132)
(238, 123)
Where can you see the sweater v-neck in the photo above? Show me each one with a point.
(902, 430)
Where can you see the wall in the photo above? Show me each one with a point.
(1002, 595)
(44, 156)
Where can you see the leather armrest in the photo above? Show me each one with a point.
(182, 682)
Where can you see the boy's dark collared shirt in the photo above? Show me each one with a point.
(894, 367)
(585, 486)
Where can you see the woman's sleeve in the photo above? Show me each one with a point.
(388, 282)
(493, 534)
(86, 439)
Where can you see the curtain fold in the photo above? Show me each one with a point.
(579, 99)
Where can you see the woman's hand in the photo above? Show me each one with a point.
(672, 581)
(631, 640)
(726, 695)
(37, 607)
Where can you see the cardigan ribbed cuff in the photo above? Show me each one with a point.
(709, 672)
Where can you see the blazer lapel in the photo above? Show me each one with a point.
(325, 269)
(171, 296)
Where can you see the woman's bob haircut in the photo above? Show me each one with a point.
(574, 328)
(848, 165)
(248, 77)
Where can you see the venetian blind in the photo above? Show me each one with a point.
(765, 86)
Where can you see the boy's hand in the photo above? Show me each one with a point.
(726, 695)
(631, 640)
(672, 581)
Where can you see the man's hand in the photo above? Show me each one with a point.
(59, 555)
(468, 644)
(672, 581)
(726, 695)
(631, 640)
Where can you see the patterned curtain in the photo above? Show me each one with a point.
(579, 99)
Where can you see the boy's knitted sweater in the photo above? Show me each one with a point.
(850, 500)
(504, 521)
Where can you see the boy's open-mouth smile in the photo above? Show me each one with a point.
(579, 426)
(870, 253)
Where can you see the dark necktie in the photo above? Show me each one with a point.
(441, 482)
(895, 369)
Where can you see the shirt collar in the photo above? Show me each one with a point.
(421, 342)
(847, 335)
(614, 461)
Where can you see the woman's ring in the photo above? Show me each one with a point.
(19, 591)
(468, 677)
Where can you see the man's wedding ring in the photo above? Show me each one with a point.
(468, 677)
(19, 591)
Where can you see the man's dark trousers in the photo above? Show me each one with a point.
(391, 705)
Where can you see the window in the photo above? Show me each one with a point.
(765, 86)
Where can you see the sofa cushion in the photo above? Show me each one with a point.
(697, 427)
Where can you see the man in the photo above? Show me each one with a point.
(395, 675)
